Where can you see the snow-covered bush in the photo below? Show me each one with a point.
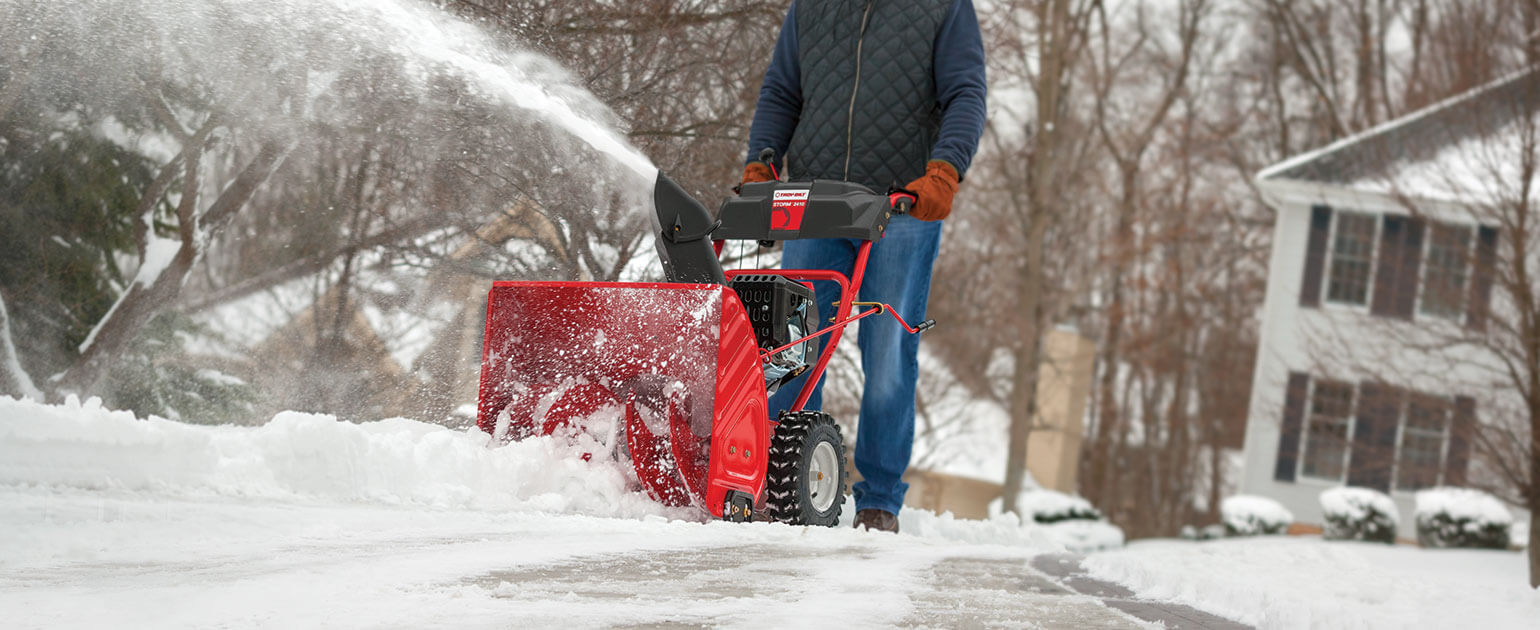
(1048, 506)
(1359, 514)
(1069, 520)
(1461, 517)
(1252, 515)
(1085, 536)
(1208, 532)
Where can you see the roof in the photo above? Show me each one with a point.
(1422, 136)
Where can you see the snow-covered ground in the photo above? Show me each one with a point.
(1305, 582)
(113, 521)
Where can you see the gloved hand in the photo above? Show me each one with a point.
(934, 191)
(756, 172)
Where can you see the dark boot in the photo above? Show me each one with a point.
(877, 520)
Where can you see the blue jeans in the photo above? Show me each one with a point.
(898, 273)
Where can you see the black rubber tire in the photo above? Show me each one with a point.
(788, 488)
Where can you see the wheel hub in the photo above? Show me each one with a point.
(823, 477)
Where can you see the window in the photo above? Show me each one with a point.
(1445, 274)
(1352, 256)
(1326, 432)
(1420, 458)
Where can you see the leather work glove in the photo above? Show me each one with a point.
(756, 172)
(934, 191)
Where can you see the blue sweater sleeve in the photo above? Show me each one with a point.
(960, 86)
(780, 97)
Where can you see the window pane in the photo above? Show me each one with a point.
(1420, 454)
(1352, 251)
(1326, 445)
(1427, 413)
(1422, 443)
(1444, 281)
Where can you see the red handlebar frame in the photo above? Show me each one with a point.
(849, 288)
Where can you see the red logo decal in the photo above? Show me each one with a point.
(786, 209)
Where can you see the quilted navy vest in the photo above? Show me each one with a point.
(869, 110)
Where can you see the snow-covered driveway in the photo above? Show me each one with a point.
(115, 559)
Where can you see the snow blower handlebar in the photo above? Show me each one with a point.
(878, 308)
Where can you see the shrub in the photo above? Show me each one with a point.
(1251, 515)
(1066, 519)
(1359, 514)
(1461, 517)
(1085, 536)
(1047, 506)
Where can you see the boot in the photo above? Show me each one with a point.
(877, 520)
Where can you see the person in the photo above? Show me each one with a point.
(885, 93)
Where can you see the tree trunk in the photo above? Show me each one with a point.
(1055, 49)
(1028, 359)
(1534, 499)
(14, 380)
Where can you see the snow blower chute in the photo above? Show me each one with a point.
(674, 376)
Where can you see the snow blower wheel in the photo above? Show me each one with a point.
(806, 481)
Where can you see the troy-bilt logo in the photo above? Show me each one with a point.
(786, 209)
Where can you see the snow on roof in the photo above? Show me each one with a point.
(1478, 168)
(1416, 136)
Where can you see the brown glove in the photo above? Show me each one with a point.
(934, 191)
(757, 172)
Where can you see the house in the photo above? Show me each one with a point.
(1381, 260)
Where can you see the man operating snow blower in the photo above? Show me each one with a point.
(884, 93)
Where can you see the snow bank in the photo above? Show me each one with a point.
(312, 458)
(304, 456)
(1251, 515)
(1304, 582)
(1359, 514)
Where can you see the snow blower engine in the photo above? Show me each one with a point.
(674, 376)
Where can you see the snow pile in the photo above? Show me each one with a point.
(1461, 517)
(1304, 582)
(1068, 520)
(1359, 514)
(1252, 515)
(82, 447)
(304, 456)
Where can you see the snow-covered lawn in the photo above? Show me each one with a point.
(1306, 582)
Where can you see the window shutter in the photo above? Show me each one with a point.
(1460, 436)
(1315, 256)
(1395, 281)
(1293, 419)
(1481, 278)
(1374, 436)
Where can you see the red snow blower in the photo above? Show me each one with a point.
(674, 376)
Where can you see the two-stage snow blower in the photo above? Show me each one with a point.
(674, 376)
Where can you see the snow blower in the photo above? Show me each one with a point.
(674, 376)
